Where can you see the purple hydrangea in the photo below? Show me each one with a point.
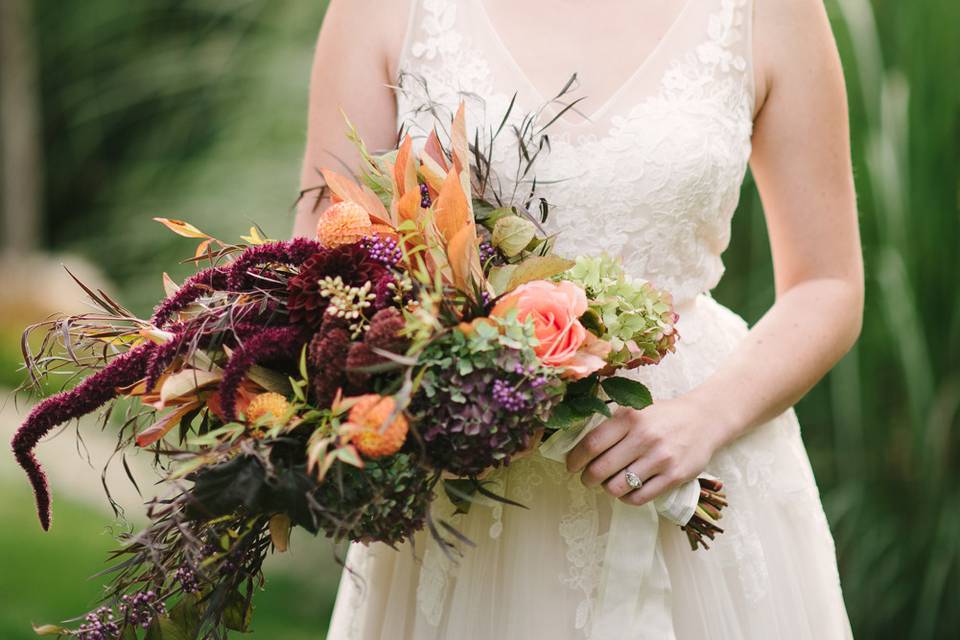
(471, 421)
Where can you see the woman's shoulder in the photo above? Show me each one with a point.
(372, 24)
(790, 37)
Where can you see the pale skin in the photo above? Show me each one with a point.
(801, 164)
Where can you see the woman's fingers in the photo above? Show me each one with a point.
(651, 489)
(617, 484)
(610, 464)
(604, 436)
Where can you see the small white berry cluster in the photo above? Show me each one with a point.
(348, 302)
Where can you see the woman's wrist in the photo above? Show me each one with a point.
(722, 412)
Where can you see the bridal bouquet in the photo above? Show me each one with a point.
(426, 335)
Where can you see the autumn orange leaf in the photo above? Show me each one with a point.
(162, 426)
(464, 259)
(182, 228)
(405, 169)
(460, 150)
(346, 189)
(433, 150)
(452, 209)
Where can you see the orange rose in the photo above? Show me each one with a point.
(555, 309)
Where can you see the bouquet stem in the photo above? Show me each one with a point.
(703, 524)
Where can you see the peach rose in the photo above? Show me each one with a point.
(555, 309)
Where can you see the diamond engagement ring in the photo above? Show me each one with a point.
(633, 479)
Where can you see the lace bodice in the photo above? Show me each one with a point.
(653, 177)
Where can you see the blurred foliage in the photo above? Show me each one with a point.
(197, 110)
(882, 428)
(47, 578)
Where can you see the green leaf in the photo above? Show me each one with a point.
(460, 492)
(303, 363)
(583, 387)
(538, 268)
(499, 278)
(238, 613)
(627, 393)
(566, 416)
(589, 405)
(186, 615)
(166, 628)
(48, 630)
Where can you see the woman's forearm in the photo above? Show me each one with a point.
(308, 211)
(803, 335)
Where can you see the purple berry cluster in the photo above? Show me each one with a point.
(487, 252)
(142, 608)
(99, 625)
(384, 249)
(188, 580)
(425, 200)
(515, 397)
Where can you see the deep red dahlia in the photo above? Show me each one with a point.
(351, 262)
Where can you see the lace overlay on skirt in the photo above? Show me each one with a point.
(654, 180)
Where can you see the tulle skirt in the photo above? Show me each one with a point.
(537, 572)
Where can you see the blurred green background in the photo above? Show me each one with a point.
(112, 112)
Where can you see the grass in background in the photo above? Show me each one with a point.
(882, 429)
(47, 575)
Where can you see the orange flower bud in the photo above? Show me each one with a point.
(343, 223)
(268, 404)
(367, 419)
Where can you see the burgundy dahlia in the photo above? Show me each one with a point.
(352, 263)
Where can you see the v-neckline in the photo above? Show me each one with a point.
(608, 103)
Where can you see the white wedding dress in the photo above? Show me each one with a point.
(654, 178)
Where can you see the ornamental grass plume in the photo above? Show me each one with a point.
(289, 252)
(197, 285)
(101, 387)
(271, 343)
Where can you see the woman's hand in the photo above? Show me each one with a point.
(665, 444)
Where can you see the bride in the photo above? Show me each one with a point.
(680, 95)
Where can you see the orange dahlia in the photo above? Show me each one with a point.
(367, 420)
(343, 223)
(268, 404)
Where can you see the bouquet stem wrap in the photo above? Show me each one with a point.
(634, 599)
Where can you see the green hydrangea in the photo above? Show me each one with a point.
(634, 316)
